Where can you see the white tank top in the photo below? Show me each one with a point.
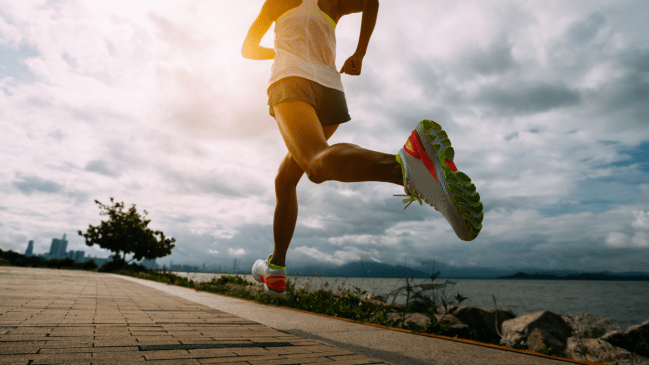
(305, 46)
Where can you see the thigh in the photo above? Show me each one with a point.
(301, 130)
(290, 172)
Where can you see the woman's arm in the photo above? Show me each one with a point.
(370, 11)
(251, 48)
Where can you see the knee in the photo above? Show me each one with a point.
(286, 180)
(288, 175)
(315, 178)
(314, 172)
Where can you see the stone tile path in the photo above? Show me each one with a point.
(77, 317)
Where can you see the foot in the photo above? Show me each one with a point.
(430, 174)
(274, 280)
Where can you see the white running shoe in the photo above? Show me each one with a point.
(274, 279)
(429, 173)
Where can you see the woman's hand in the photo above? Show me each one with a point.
(353, 65)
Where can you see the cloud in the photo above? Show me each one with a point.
(29, 184)
(100, 167)
(617, 239)
(213, 251)
(365, 239)
(642, 220)
(522, 97)
(583, 31)
(497, 58)
(337, 257)
(237, 252)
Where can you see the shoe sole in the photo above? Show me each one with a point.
(452, 194)
(273, 293)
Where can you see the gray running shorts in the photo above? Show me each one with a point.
(329, 104)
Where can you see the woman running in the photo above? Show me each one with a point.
(307, 100)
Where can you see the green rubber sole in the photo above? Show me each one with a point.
(461, 189)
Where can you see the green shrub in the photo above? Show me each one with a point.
(89, 265)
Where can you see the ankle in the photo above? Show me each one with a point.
(399, 179)
(277, 262)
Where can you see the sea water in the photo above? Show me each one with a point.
(624, 302)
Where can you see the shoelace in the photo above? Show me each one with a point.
(411, 198)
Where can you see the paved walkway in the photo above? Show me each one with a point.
(76, 317)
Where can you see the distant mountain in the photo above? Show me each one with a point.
(606, 275)
(427, 268)
(360, 269)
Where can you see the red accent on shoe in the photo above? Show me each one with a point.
(422, 155)
(277, 283)
(450, 164)
(408, 150)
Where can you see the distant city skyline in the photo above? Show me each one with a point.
(58, 251)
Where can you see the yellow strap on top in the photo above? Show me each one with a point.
(323, 13)
(329, 19)
(327, 16)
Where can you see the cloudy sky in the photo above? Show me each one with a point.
(150, 102)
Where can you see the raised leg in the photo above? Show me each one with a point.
(344, 162)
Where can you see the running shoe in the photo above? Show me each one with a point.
(274, 279)
(429, 174)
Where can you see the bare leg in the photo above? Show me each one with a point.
(345, 162)
(285, 218)
(284, 225)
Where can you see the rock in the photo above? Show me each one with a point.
(544, 331)
(590, 325)
(481, 320)
(630, 338)
(457, 328)
(552, 332)
(592, 349)
(418, 318)
(540, 339)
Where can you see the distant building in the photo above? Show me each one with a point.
(79, 256)
(30, 249)
(98, 261)
(183, 268)
(58, 248)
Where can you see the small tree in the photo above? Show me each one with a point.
(127, 232)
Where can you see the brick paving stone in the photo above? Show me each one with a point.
(197, 339)
(117, 362)
(175, 362)
(15, 359)
(298, 359)
(214, 353)
(239, 359)
(11, 348)
(288, 350)
(326, 349)
(75, 317)
(125, 356)
(66, 344)
(166, 354)
(251, 352)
